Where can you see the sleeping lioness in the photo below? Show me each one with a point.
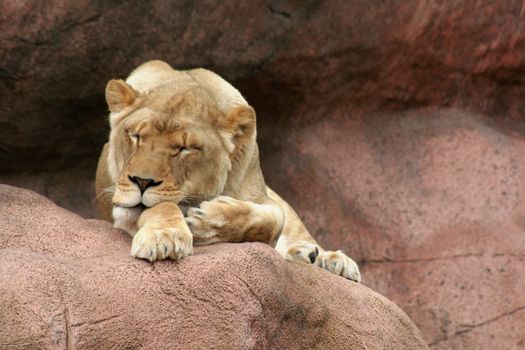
(182, 167)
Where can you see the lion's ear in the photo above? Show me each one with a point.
(119, 95)
(239, 122)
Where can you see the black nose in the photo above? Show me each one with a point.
(143, 183)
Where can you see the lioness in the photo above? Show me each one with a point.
(185, 141)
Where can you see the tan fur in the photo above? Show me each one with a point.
(188, 138)
(119, 95)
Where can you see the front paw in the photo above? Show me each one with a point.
(204, 228)
(340, 264)
(217, 220)
(161, 243)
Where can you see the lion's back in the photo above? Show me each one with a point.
(154, 74)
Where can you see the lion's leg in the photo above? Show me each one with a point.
(162, 234)
(226, 219)
(296, 244)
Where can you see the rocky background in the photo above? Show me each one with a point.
(396, 129)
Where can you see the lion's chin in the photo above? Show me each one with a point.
(139, 205)
(183, 204)
(125, 218)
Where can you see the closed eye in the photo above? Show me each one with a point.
(179, 151)
(133, 135)
(184, 151)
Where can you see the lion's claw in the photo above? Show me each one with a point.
(161, 243)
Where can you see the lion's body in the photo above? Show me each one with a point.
(209, 128)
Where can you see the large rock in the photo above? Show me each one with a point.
(431, 203)
(67, 282)
(395, 128)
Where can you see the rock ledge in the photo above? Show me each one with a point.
(66, 282)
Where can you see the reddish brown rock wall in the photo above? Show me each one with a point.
(395, 128)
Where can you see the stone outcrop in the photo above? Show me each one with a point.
(396, 129)
(430, 202)
(68, 282)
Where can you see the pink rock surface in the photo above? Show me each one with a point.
(67, 282)
(430, 202)
(396, 128)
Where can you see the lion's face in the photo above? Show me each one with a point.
(172, 147)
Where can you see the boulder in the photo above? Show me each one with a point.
(430, 204)
(395, 128)
(67, 282)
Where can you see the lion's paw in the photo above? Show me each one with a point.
(340, 264)
(212, 222)
(161, 243)
(304, 252)
(335, 262)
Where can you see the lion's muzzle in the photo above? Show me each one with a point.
(143, 183)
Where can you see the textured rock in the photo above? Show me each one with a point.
(395, 128)
(428, 199)
(55, 59)
(67, 282)
(431, 203)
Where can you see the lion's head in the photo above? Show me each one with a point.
(172, 144)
